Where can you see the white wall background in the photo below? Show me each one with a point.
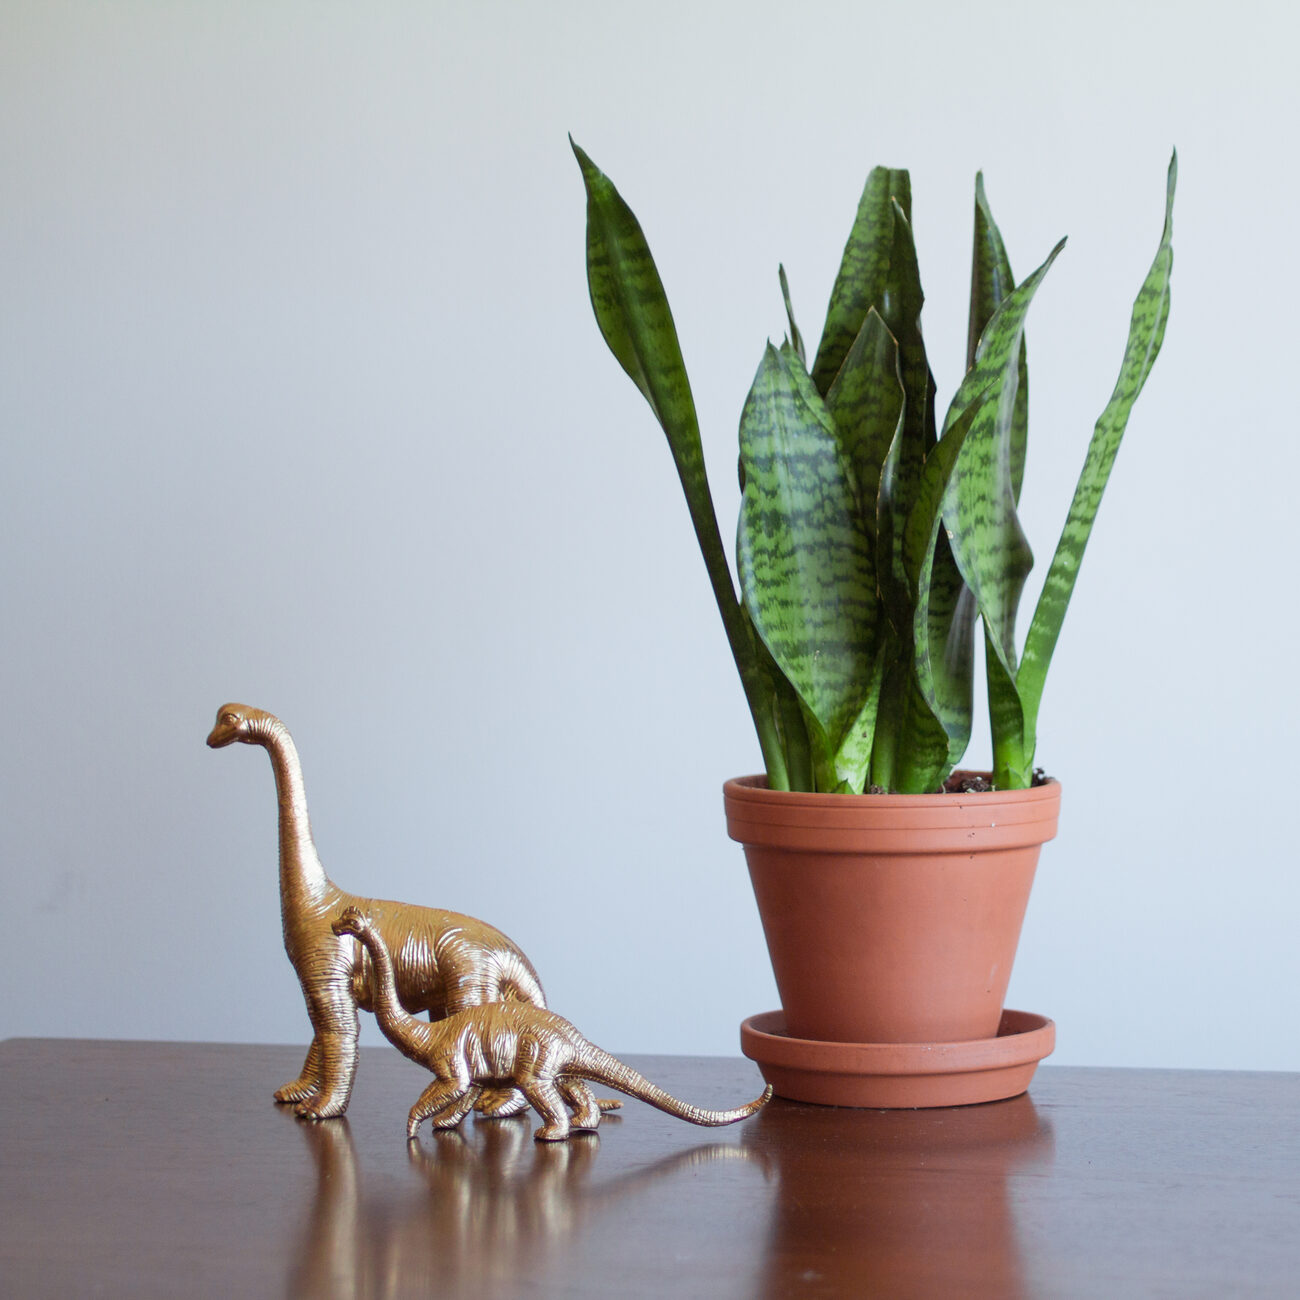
(302, 404)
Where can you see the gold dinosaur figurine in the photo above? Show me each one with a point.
(499, 1044)
(445, 962)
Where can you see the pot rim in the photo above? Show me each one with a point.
(753, 789)
(890, 823)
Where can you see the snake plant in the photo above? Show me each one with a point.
(873, 536)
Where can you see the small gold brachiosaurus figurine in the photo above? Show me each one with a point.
(445, 962)
(501, 1044)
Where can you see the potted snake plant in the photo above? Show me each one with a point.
(875, 539)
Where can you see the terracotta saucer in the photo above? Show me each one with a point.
(890, 1076)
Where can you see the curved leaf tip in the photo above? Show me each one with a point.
(590, 171)
(1171, 184)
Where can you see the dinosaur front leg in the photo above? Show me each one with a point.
(308, 1082)
(447, 1101)
(335, 1021)
(451, 1115)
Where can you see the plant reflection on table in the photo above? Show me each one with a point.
(495, 1206)
(899, 1202)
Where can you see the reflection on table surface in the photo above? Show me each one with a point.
(858, 1202)
(487, 1205)
(164, 1169)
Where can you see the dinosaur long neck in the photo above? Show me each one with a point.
(302, 877)
(394, 1019)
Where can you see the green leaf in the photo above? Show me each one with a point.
(866, 402)
(950, 636)
(1012, 760)
(936, 734)
(902, 303)
(632, 311)
(796, 339)
(864, 267)
(789, 719)
(888, 442)
(979, 508)
(991, 282)
(1146, 333)
(806, 574)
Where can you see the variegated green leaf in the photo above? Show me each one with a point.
(791, 725)
(951, 618)
(901, 306)
(866, 402)
(991, 282)
(796, 339)
(841, 764)
(939, 717)
(632, 311)
(1146, 333)
(805, 563)
(979, 509)
(860, 282)
(1012, 761)
(942, 710)
(902, 302)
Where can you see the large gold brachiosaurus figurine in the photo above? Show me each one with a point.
(503, 1043)
(444, 962)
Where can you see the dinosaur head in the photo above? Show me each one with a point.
(239, 722)
(350, 921)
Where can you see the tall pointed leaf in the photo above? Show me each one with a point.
(866, 402)
(939, 717)
(632, 311)
(901, 308)
(901, 305)
(950, 635)
(805, 566)
(990, 282)
(860, 283)
(796, 339)
(1146, 333)
(980, 509)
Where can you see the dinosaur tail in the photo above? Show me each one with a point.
(592, 1062)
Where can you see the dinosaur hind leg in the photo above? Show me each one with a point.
(308, 1082)
(545, 1099)
(586, 1109)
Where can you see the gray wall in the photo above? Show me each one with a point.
(302, 404)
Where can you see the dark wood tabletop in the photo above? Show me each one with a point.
(157, 1169)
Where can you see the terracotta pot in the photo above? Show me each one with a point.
(891, 918)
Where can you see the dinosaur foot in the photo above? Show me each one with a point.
(554, 1132)
(316, 1108)
(446, 1122)
(298, 1090)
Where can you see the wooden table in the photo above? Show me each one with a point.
(155, 1169)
